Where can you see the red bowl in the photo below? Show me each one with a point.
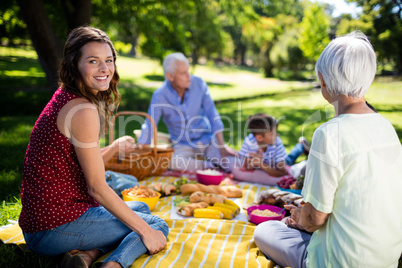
(209, 179)
(258, 219)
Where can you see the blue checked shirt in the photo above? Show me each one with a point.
(193, 120)
(274, 154)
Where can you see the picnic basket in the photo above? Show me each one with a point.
(143, 162)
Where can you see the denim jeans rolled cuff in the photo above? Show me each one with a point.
(132, 247)
(296, 151)
(96, 229)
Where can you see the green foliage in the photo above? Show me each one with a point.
(386, 31)
(314, 36)
(287, 55)
(12, 27)
(274, 7)
(10, 211)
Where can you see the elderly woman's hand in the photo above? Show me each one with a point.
(293, 220)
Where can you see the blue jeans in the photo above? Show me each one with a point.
(97, 229)
(296, 151)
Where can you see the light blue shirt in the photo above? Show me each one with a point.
(274, 154)
(189, 121)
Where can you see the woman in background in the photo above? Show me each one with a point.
(67, 205)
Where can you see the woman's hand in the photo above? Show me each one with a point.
(154, 241)
(125, 144)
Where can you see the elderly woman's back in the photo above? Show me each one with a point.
(353, 176)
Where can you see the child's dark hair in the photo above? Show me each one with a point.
(261, 123)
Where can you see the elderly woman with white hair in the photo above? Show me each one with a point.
(352, 211)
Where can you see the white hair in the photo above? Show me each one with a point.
(169, 63)
(348, 65)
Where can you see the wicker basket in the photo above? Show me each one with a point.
(151, 161)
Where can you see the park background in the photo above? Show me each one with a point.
(255, 55)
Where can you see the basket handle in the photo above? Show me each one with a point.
(113, 119)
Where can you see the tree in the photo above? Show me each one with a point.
(12, 27)
(261, 36)
(287, 55)
(386, 35)
(44, 39)
(314, 36)
(235, 14)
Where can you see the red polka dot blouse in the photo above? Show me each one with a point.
(54, 190)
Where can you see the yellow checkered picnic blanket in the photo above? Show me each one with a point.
(194, 242)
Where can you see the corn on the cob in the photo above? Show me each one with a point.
(231, 203)
(227, 213)
(207, 213)
(235, 210)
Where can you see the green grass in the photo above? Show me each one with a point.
(300, 108)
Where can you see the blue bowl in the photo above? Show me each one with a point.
(295, 191)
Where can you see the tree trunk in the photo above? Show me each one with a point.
(45, 41)
(47, 45)
(243, 50)
(78, 12)
(399, 59)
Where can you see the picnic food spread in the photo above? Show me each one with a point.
(278, 198)
(140, 191)
(289, 182)
(208, 198)
(226, 190)
(265, 213)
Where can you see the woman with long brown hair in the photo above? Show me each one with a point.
(67, 206)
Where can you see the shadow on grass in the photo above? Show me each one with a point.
(278, 95)
(24, 258)
(21, 72)
(134, 97)
(220, 85)
(13, 102)
(154, 77)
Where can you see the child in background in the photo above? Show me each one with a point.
(263, 156)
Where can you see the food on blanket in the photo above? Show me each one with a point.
(289, 198)
(264, 213)
(278, 198)
(209, 177)
(165, 188)
(227, 213)
(267, 216)
(209, 172)
(235, 210)
(286, 181)
(140, 191)
(298, 185)
(208, 198)
(180, 201)
(188, 210)
(143, 194)
(181, 181)
(230, 191)
(207, 213)
(233, 204)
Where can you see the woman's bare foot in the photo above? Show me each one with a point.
(111, 264)
(81, 259)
